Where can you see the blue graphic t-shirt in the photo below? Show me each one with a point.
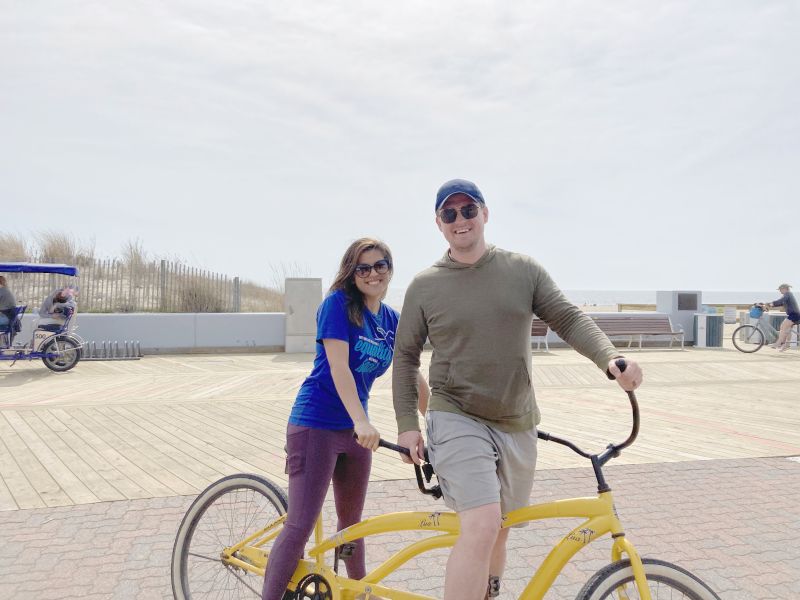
(371, 350)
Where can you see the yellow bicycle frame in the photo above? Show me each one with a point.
(599, 513)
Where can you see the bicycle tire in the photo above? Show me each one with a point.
(68, 354)
(664, 579)
(748, 338)
(224, 513)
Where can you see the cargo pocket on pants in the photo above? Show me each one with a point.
(296, 448)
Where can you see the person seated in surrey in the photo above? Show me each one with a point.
(56, 308)
(8, 304)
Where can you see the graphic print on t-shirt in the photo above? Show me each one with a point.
(374, 354)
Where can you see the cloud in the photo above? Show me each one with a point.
(282, 130)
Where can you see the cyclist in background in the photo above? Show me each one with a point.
(789, 303)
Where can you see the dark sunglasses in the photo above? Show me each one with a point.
(468, 211)
(381, 268)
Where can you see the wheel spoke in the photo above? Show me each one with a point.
(243, 582)
(204, 557)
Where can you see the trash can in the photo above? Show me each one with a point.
(775, 320)
(708, 330)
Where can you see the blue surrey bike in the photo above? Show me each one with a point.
(57, 346)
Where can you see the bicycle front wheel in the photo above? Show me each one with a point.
(665, 580)
(225, 513)
(748, 338)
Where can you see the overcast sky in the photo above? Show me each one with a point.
(625, 144)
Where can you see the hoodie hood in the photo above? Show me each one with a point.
(449, 263)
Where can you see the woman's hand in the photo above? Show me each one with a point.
(366, 435)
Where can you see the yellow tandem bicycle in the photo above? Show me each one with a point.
(223, 543)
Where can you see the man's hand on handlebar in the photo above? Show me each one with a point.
(413, 441)
(628, 379)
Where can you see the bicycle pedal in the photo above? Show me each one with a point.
(347, 550)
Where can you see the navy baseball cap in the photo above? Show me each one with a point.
(458, 186)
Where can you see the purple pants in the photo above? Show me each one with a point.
(314, 458)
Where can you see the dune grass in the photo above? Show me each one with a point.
(136, 280)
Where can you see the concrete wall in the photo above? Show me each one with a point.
(301, 300)
(182, 332)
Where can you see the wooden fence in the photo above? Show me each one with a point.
(156, 286)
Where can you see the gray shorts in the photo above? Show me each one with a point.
(478, 465)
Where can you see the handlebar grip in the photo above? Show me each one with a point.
(395, 447)
(621, 365)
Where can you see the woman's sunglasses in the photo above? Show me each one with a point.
(381, 268)
(468, 211)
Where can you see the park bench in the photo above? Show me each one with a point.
(539, 333)
(639, 325)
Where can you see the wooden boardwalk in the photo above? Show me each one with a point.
(170, 425)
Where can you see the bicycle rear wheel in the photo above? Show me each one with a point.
(62, 354)
(225, 513)
(748, 338)
(665, 580)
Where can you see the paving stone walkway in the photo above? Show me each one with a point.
(735, 523)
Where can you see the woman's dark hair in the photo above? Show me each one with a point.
(345, 278)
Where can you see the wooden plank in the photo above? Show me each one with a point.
(192, 445)
(229, 439)
(77, 491)
(104, 468)
(14, 480)
(93, 481)
(109, 450)
(42, 482)
(228, 445)
(228, 413)
(184, 460)
(163, 468)
(7, 501)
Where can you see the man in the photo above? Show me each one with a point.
(789, 303)
(8, 304)
(475, 306)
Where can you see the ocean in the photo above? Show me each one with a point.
(606, 297)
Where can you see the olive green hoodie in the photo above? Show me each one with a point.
(478, 320)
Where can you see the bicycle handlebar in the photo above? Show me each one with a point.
(611, 451)
(426, 470)
(390, 446)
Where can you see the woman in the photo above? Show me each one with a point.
(355, 344)
(789, 303)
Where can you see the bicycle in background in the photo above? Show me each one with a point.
(752, 337)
